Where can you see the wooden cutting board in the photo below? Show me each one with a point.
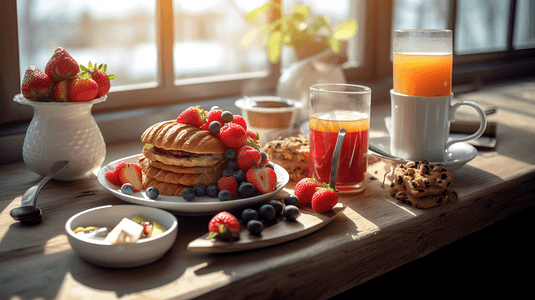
(280, 231)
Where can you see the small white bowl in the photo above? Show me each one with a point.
(269, 116)
(126, 255)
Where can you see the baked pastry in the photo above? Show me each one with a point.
(420, 179)
(164, 188)
(205, 176)
(183, 145)
(291, 153)
(422, 185)
(178, 156)
(446, 196)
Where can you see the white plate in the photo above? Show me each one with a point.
(458, 154)
(199, 206)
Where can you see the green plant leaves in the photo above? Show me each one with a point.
(274, 46)
(345, 30)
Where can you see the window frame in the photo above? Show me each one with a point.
(375, 69)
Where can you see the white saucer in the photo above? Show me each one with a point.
(458, 154)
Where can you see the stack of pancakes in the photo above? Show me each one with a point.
(178, 156)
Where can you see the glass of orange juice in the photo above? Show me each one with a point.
(423, 61)
(333, 107)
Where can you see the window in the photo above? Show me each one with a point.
(172, 51)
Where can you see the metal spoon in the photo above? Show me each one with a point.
(28, 212)
(336, 157)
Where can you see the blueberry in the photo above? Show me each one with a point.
(255, 227)
(199, 190)
(152, 192)
(127, 189)
(232, 164)
(267, 212)
(227, 116)
(248, 214)
(291, 200)
(246, 189)
(239, 175)
(212, 190)
(224, 195)
(264, 157)
(214, 127)
(215, 107)
(227, 172)
(291, 212)
(230, 153)
(188, 194)
(277, 205)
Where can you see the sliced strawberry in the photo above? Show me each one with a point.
(263, 179)
(131, 173)
(113, 175)
(60, 92)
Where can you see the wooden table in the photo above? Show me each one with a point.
(374, 235)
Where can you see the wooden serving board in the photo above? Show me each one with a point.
(280, 232)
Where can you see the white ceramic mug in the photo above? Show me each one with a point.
(420, 126)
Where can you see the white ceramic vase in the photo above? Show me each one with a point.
(63, 131)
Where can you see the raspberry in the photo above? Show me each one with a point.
(228, 183)
(214, 115)
(248, 157)
(237, 119)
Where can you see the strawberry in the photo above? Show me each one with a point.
(324, 199)
(252, 134)
(113, 175)
(60, 91)
(233, 136)
(224, 225)
(36, 85)
(305, 188)
(82, 88)
(192, 116)
(237, 119)
(131, 173)
(230, 184)
(98, 74)
(248, 157)
(263, 179)
(214, 115)
(61, 65)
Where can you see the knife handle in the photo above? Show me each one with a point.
(471, 127)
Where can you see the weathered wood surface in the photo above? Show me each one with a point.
(374, 234)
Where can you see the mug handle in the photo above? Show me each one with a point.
(482, 123)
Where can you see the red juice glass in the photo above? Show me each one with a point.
(333, 107)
